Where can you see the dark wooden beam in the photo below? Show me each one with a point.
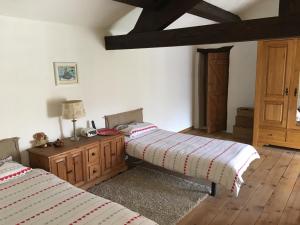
(248, 30)
(214, 13)
(156, 20)
(202, 9)
(215, 50)
(145, 4)
(289, 7)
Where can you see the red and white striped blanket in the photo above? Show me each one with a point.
(219, 161)
(41, 198)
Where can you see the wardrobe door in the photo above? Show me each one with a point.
(294, 104)
(274, 72)
(293, 132)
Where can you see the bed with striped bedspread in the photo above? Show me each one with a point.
(40, 198)
(219, 161)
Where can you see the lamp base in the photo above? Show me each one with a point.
(75, 138)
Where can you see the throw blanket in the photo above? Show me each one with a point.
(219, 161)
(41, 198)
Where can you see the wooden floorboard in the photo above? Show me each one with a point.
(271, 194)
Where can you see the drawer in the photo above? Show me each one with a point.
(93, 155)
(293, 136)
(272, 135)
(94, 172)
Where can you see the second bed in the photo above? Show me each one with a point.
(220, 162)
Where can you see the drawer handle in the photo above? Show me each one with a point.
(93, 154)
(70, 171)
(270, 134)
(94, 171)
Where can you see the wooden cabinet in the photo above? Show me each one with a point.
(277, 99)
(69, 167)
(112, 154)
(59, 167)
(75, 168)
(83, 163)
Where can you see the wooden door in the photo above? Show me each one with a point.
(294, 97)
(108, 153)
(274, 71)
(75, 168)
(59, 167)
(217, 91)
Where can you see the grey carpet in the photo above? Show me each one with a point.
(157, 195)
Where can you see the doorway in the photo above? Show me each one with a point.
(213, 80)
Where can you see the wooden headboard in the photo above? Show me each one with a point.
(123, 118)
(10, 147)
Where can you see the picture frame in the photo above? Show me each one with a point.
(66, 73)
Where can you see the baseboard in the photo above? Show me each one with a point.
(186, 130)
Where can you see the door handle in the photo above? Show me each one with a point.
(296, 92)
(70, 171)
(286, 91)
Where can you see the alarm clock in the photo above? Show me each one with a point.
(88, 132)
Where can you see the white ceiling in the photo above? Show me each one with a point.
(92, 13)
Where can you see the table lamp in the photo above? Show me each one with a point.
(73, 110)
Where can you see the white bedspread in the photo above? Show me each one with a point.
(41, 198)
(222, 162)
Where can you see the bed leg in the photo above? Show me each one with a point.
(213, 189)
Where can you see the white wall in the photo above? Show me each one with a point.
(242, 70)
(159, 80)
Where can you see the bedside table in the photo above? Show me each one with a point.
(83, 163)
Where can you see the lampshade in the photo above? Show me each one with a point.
(73, 109)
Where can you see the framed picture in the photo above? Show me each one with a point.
(65, 73)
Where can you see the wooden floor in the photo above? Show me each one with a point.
(271, 194)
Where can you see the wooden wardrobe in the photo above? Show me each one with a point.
(277, 101)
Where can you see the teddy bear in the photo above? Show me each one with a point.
(41, 140)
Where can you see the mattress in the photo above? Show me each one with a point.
(39, 197)
(219, 161)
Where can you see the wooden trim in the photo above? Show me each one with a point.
(186, 130)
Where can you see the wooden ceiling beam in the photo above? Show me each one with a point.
(202, 9)
(248, 30)
(145, 4)
(214, 13)
(156, 20)
(289, 7)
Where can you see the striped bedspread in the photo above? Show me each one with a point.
(219, 161)
(41, 198)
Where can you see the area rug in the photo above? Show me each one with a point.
(155, 194)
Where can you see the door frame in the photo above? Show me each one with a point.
(204, 52)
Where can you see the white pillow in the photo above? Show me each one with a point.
(6, 159)
(11, 170)
(136, 129)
